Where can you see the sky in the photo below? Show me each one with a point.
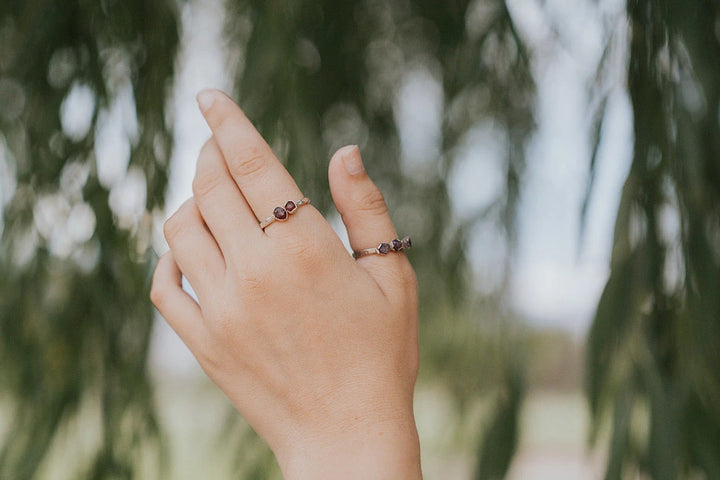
(203, 61)
(557, 278)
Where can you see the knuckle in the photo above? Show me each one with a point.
(305, 250)
(253, 284)
(205, 182)
(157, 295)
(172, 227)
(306, 258)
(372, 201)
(207, 176)
(247, 162)
(298, 248)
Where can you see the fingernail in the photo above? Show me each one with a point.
(205, 99)
(352, 161)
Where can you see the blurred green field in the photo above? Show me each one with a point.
(552, 446)
(203, 437)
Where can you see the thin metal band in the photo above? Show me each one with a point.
(384, 248)
(280, 214)
(363, 253)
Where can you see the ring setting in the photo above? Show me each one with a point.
(282, 213)
(395, 245)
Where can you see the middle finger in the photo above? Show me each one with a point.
(195, 250)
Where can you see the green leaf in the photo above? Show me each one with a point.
(500, 438)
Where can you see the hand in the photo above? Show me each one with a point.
(316, 350)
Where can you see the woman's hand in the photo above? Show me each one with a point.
(316, 350)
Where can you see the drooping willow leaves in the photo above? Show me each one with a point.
(75, 317)
(654, 348)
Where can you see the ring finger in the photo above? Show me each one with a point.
(222, 206)
(194, 249)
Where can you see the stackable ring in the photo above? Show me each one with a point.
(395, 245)
(280, 214)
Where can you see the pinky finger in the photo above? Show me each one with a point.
(174, 304)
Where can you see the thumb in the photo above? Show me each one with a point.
(364, 213)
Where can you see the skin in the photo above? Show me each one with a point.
(317, 351)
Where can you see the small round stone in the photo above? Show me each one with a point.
(397, 245)
(407, 243)
(280, 213)
(383, 248)
(290, 206)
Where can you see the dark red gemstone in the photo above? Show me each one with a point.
(280, 213)
(290, 206)
(397, 245)
(407, 243)
(384, 248)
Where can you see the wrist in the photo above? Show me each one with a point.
(387, 449)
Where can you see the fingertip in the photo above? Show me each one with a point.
(213, 97)
(345, 166)
(350, 159)
(358, 200)
(206, 98)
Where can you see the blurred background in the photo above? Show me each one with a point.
(557, 163)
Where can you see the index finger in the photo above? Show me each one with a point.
(262, 179)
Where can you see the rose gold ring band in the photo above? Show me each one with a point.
(384, 248)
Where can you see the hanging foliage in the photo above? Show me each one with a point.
(654, 347)
(84, 149)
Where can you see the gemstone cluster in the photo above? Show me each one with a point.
(395, 245)
(281, 213)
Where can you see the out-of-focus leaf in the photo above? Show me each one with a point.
(619, 306)
(663, 437)
(500, 438)
(620, 438)
(669, 310)
(75, 315)
(595, 141)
